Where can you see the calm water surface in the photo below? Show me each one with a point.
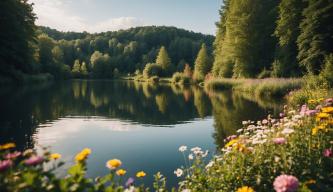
(141, 124)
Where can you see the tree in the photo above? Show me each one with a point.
(316, 41)
(100, 64)
(151, 69)
(83, 69)
(76, 67)
(17, 37)
(45, 47)
(188, 71)
(58, 55)
(287, 32)
(219, 67)
(248, 45)
(202, 64)
(164, 61)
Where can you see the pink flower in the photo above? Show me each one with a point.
(279, 140)
(34, 160)
(328, 153)
(330, 100)
(13, 155)
(4, 165)
(311, 112)
(286, 183)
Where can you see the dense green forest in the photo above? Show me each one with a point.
(29, 49)
(255, 38)
(261, 38)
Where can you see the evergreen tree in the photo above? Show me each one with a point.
(316, 40)
(202, 64)
(287, 32)
(248, 44)
(164, 61)
(220, 68)
(17, 36)
(84, 69)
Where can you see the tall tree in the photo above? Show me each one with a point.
(45, 46)
(287, 32)
(248, 44)
(220, 68)
(17, 36)
(164, 61)
(202, 64)
(316, 40)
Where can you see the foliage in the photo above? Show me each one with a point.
(327, 72)
(202, 64)
(151, 69)
(17, 37)
(164, 61)
(101, 65)
(295, 148)
(315, 41)
(181, 78)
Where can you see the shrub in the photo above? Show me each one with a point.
(151, 69)
(176, 77)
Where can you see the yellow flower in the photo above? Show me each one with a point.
(83, 155)
(245, 189)
(7, 146)
(320, 100)
(113, 164)
(311, 101)
(86, 151)
(323, 115)
(231, 143)
(55, 156)
(314, 131)
(121, 172)
(327, 110)
(140, 174)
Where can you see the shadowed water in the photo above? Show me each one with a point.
(141, 124)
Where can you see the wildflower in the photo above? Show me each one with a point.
(327, 110)
(4, 165)
(196, 149)
(83, 155)
(311, 112)
(311, 101)
(182, 148)
(129, 182)
(321, 116)
(55, 156)
(279, 140)
(121, 172)
(281, 115)
(113, 164)
(328, 153)
(7, 146)
(34, 160)
(287, 131)
(265, 121)
(190, 157)
(231, 143)
(28, 152)
(140, 174)
(330, 100)
(131, 189)
(186, 190)
(286, 183)
(314, 131)
(210, 164)
(13, 155)
(245, 189)
(320, 99)
(178, 172)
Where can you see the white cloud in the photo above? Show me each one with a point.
(56, 14)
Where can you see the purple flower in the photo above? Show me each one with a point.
(328, 153)
(311, 112)
(231, 137)
(129, 182)
(34, 160)
(13, 155)
(279, 140)
(286, 183)
(4, 165)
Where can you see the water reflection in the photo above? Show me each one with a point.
(142, 123)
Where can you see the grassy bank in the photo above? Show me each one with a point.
(271, 87)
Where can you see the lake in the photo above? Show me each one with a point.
(141, 124)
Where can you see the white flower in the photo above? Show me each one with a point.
(182, 148)
(264, 121)
(239, 130)
(205, 154)
(244, 122)
(190, 157)
(210, 164)
(131, 189)
(178, 172)
(186, 190)
(196, 150)
(287, 131)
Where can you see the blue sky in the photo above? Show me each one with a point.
(104, 15)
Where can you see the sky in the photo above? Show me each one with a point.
(110, 15)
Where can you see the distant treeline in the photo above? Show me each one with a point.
(28, 49)
(284, 38)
